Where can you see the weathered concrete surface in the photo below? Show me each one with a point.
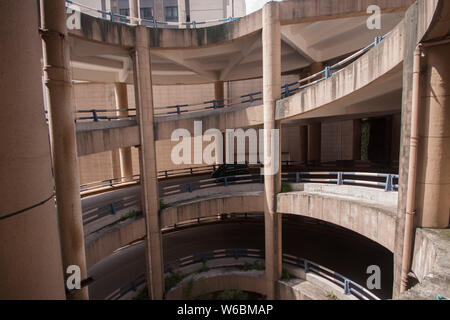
(431, 265)
(425, 20)
(104, 242)
(371, 219)
(380, 62)
(246, 202)
(290, 12)
(226, 275)
(97, 141)
(218, 280)
(221, 119)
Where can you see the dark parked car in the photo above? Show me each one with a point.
(226, 170)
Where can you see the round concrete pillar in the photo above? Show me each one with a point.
(271, 39)
(30, 253)
(58, 81)
(314, 143)
(149, 174)
(134, 11)
(125, 156)
(433, 176)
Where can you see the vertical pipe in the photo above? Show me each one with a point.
(58, 81)
(412, 173)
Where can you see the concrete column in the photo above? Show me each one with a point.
(58, 80)
(125, 156)
(219, 93)
(158, 10)
(181, 10)
(135, 11)
(30, 253)
(433, 163)
(316, 67)
(303, 154)
(147, 155)
(356, 152)
(115, 164)
(271, 39)
(314, 142)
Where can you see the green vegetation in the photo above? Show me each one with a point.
(143, 295)
(257, 265)
(203, 268)
(162, 205)
(131, 214)
(172, 280)
(187, 291)
(232, 295)
(286, 275)
(332, 295)
(286, 188)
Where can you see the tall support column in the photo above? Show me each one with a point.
(147, 153)
(125, 156)
(303, 154)
(158, 10)
(30, 253)
(356, 151)
(314, 142)
(58, 80)
(135, 11)
(219, 93)
(272, 181)
(181, 10)
(315, 68)
(433, 163)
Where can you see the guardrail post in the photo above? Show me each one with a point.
(190, 187)
(178, 109)
(389, 183)
(286, 89)
(261, 178)
(111, 14)
(192, 171)
(225, 181)
(347, 287)
(298, 179)
(306, 266)
(340, 180)
(113, 209)
(327, 72)
(94, 115)
(377, 40)
(166, 174)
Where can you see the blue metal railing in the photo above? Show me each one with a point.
(287, 90)
(349, 287)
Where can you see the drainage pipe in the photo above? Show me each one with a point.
(412, 173)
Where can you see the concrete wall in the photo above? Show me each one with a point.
(345, 207)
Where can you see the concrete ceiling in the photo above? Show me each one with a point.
(302, 44)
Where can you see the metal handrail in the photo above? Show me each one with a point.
(324, 74)
(350, 287)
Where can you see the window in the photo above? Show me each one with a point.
(171, 13)
(124, 12)
(147, 13)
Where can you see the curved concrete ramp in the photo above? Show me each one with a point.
(366, 211)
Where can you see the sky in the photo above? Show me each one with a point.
(254, 5)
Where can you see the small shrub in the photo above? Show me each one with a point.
(257, 265)
(332, 295)
(172, 280)
(202, 269)
(232, 295)
(286, 275)
(130, 215)
(188, 289)
(286, 188)
(143, 295)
